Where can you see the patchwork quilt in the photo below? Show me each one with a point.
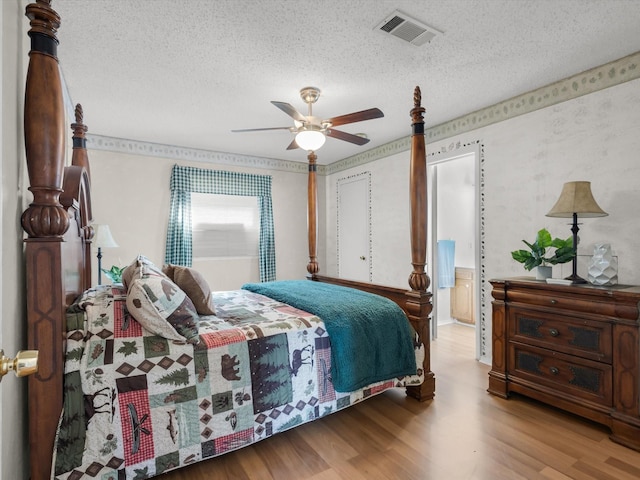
(137, 405)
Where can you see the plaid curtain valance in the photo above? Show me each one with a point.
(185, 180)
(198, 180)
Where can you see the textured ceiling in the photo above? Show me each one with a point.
(186, 72)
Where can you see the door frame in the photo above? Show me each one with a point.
(432, 161)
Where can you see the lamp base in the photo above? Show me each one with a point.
(575, 279)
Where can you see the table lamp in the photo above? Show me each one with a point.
(103, 239)
(576, 200)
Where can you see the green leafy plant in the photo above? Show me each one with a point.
(535, 256)
(114, 274)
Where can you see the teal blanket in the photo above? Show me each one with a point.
(371, 339)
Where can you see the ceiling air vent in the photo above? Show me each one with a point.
(407, 28)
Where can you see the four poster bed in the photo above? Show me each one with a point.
(258, 361)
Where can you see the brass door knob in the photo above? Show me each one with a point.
(25, 363)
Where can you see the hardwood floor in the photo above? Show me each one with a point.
(464, 433)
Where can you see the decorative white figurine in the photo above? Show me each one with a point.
(603, 267)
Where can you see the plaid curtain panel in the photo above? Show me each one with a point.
(185, 180)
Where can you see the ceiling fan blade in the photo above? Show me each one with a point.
(347, 137)
(293, 145)
(289, 110)
(356, 117)
(261, 129)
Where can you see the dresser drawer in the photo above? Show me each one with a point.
(569, 334)
(566, 374)
(560, 300)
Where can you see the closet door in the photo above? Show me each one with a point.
(354, 228)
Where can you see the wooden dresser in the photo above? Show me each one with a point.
(575, 347)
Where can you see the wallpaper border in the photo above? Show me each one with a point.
(134, 147)
(610, 74)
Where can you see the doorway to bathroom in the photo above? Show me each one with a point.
(454, 239)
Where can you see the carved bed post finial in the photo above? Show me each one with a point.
(312, 215)
(80, 141)
(418, 280)
(44, 126)
(79, 114)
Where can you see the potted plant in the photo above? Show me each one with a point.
(115, 274)
(535, 256)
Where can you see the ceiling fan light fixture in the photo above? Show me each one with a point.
(311, 132)
(310, 140)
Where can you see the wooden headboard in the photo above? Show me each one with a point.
(59, 233)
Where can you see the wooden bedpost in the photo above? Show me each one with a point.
(312, 215)
(45, 221)
(80, 160)
(44, 126)
(418, 304)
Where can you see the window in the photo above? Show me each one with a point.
(186, 181)
(225, 225)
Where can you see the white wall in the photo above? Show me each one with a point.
(131, 194)
(527, 159)
(13, 391)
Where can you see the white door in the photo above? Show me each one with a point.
(354, 228)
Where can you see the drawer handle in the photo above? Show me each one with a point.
(553, 332)
(554, 370)
(553, 301)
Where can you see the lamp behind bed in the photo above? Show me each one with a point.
(103, 239)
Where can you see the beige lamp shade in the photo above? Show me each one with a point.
(576, 197)
(103, 238)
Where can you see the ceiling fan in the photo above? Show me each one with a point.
(311, 132)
